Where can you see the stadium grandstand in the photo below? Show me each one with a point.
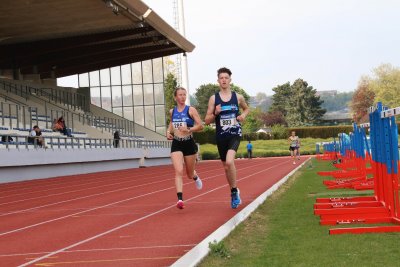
(114, 52)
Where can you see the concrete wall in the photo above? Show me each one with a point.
(156, 156)
(20, 165)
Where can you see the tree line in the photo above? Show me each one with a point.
(298, 104)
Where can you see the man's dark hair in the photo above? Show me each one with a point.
(35, 127)
(224, 70)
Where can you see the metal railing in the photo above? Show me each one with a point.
(71, 100)
(51, 142)
(111, 125)
(21, 115)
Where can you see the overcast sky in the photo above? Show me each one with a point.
(328, 43)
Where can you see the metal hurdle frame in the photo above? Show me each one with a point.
(384, 206)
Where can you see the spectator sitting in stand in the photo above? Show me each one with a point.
(61, 127)
(35, 137)
(55, 126)
(6, 139)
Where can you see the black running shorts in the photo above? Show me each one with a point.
(187, 147)
(226, 144)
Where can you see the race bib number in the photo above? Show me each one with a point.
(178, 124)
(228, 121)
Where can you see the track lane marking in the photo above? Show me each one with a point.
(49, 264)
(98, 249)
(141, 219)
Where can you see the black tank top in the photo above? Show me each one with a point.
(226, 123)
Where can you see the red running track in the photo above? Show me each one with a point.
(122, 218)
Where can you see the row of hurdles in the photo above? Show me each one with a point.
(364, 163)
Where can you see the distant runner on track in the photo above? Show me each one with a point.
(184, 121)
(293, 141)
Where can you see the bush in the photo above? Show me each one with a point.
(279, 132)
(207, 136)
(264, 136)
(206, 155)
(321, 131)
(249, 136)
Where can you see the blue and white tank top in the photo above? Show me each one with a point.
(226, 123)
(181, 118)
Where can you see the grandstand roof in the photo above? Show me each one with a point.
(56, 38)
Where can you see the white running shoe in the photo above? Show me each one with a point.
(199, 183)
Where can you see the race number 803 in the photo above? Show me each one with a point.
(228, 122)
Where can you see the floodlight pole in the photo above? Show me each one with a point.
(184, 64)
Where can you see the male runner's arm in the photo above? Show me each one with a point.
(244, 106)
(210, 116)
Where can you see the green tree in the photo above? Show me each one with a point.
(241, 91)
(298, 102)
(312, 111)
(253, 121)
(385, 83)
(193, 101)
(280, 98)
(169, 86)
(203, 94)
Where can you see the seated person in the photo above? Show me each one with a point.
(61, 127)
(55, 126)
(36, 135)
(6, 138)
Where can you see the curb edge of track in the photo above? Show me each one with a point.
(197, 253)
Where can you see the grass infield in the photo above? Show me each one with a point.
(265, 148)
(284, 232)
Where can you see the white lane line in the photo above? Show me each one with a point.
(107, 205)
(139, 219)
(75, 191)
(79, 198)
(65, 201)
(99, 249)
(78, 213)
(123, 176)
(196, 254)
(68, 180)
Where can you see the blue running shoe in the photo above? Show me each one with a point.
(235, 199)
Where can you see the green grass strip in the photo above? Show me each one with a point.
(284, 232)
